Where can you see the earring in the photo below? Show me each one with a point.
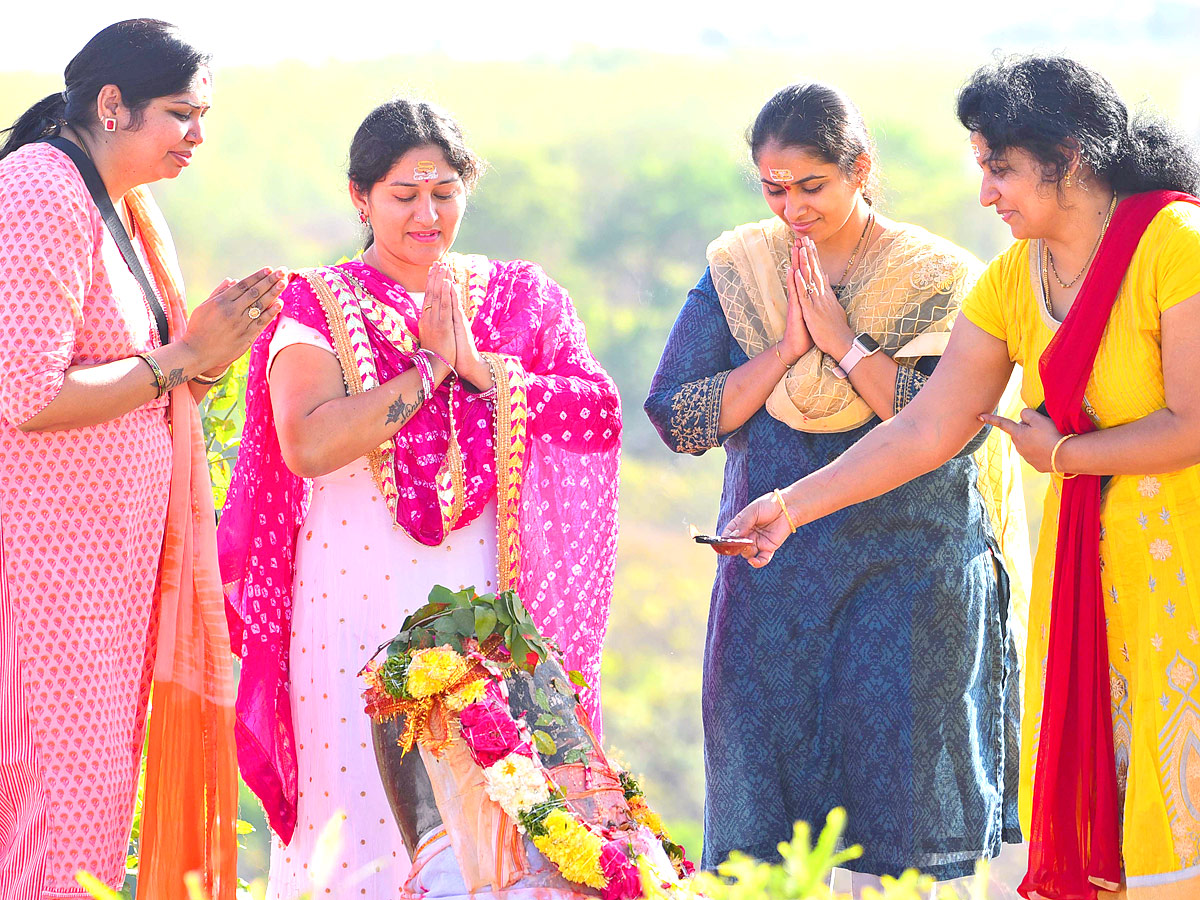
(110, 123)
(362, 217)
(1067, 180)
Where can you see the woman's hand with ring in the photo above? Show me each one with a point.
(435, 327)
(224, 326)
(796, 338)
(823, 313)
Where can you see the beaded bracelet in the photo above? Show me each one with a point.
(160, 380)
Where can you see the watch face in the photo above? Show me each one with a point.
(868, 343)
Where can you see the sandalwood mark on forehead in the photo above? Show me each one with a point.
(781, 176)
(425, 170)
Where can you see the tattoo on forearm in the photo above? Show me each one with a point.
(175, 379)
(401, 411)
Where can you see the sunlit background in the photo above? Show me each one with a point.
(614, 137)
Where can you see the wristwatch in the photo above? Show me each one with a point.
(864, 345)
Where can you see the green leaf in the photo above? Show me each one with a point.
(577, 755)
(95, 887)
(577, 678)
(419, 616)
(544, 743)
(519, 649)
(464, 620)
(541, 699)
(485, 622)
(439, 593)
(545, 720)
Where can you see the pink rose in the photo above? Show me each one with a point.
(624, 879)
(490, 732)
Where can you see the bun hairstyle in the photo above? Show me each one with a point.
(145, 58)
(392, 129)
(820, 119)
(1052, 107)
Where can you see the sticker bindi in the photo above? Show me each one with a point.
(425, 171)
(781, 176)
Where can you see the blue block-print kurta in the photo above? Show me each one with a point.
(868, 666)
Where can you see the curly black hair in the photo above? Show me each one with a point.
(1053, 107)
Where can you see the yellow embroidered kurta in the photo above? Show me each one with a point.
(1149, 547)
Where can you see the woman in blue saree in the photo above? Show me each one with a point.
(874, 665)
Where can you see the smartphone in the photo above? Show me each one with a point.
(726, 546)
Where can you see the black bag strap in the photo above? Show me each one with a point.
(95, 185)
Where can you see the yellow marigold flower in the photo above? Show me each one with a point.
(574, 849)
(467, 694)
(644, 815)
(432, 671)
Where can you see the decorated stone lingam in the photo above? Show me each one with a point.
(479, 733)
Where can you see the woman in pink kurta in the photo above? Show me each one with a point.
(105, 509)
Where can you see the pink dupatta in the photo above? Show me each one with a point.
(547, 447)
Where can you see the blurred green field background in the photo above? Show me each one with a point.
(613, 170)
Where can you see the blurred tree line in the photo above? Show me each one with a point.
(613, 170)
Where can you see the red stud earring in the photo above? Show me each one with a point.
(110, 123)
(362, 217)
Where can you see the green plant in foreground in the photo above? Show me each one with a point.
(803, 873)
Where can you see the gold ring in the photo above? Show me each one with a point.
(254, 312)
(427, 308)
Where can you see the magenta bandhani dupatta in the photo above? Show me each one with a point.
(546, 447)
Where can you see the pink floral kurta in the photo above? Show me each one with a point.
(82, 514)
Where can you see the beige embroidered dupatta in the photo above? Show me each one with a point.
(189, 814)
(906, 294)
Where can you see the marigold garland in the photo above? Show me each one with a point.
(571, 846)
(468, 687)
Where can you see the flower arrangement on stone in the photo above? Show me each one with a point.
(474, 669)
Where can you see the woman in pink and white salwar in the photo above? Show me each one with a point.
(415, 417)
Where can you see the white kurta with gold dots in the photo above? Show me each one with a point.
(357, 577)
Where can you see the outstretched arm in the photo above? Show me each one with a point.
(936, 425)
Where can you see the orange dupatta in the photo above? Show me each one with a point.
(189, 814)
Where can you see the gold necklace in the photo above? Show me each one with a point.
(1111, 208)
(862, 239)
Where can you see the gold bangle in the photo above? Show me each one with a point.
(787, 515)
(786, 364)
(160, 380)
(1054, 459)
(203, 379)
